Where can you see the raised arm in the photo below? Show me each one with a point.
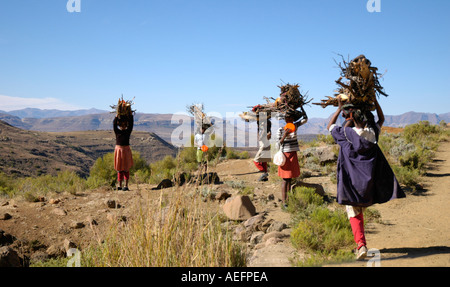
(130, 123)
(115, 128)
(335, 115)
(379, 113)
(303, 120)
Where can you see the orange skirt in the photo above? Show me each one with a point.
(291, 169)
(123, 158)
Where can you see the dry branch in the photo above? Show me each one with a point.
(362, 85)
(123, 108)
(289, 101)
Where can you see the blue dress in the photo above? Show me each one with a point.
(364, 176)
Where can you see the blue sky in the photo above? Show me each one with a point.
(225, 54)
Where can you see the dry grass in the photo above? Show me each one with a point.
(174, 231)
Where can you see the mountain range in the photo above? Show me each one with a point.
(163, 126)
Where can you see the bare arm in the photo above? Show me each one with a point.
(303, 120)
(335, 115)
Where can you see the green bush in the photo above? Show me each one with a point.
(324, 233)
(164, 169)
(102, 172)
(410, 152)
(6, 185)
(65, 181)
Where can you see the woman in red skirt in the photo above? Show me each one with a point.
(287, 139)
(123, 158)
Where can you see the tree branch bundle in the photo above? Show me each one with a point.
(361, 87)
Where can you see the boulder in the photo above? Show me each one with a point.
(276, 226)
(111, 203)
(222, 195)
(239, 208)
(5, 216)
(324, 154)
(9, 257)
(6, 239)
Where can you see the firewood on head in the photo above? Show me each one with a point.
(362, 84)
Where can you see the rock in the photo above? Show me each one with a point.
(222, 195)
(39, 256)
(181, 179)
(273, 234)
(256, 237)
(324, 154)
(67, 244)
(210, 178)
(5, 238)
(242, 234)
(55, 251)
(9, 257)
(110, 203)
(276, 226)
(272, 241)
(77, 225)
(91, 221)
(5, 216)
(266, 224)
(59, 211)
(254, 223)
(165, 183)
(41, 199)
(239, 208)
(54, 201)
(318, 187)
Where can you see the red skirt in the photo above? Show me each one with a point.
(291, 169)
(123, 158)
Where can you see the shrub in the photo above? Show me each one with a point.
(326, 234)
(102, 172)
(6, 185)
(65, 181)
(164, 169)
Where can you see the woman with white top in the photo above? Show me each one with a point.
(364, 176)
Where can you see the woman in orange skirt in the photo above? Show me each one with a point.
(287, 138)
(123, 158)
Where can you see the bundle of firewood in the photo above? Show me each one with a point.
(290, 101)
(200, 118)
(361, 87)
(123, 108)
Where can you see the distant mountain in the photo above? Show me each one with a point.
(162, 125)
(41, 114)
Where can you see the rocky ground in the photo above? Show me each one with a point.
(413, 231)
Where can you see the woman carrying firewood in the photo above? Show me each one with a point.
(123, 158)
(287, 140)
(364, 176)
